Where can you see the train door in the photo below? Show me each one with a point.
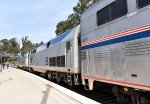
(68, 54)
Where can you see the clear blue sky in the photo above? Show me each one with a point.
(34, 18)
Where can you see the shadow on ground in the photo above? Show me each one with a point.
(9, 79)
(46, 94)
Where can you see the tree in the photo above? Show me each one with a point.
(14, 46)
(5, 45)
(71, 22)
(61, 27)
(74, 18)
(95, 1)
(37, 44)
(26, 45)
(82, 5)
(9, 46)
(24, 40)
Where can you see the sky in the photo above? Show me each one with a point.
(34, 18)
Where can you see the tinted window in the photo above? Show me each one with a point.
(58, 61)
(50, 62)
(143, 3)
(118, 9)
(54, 61)
(68, 46)
(103, 16)
(48, 44)
(112, 11)
(62, 61)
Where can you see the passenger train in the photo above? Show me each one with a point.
(111, 47)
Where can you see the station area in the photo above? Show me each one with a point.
(20, 87)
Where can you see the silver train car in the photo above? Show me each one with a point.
(23, 61)
(115, 47)
(58, 58)
(114, 50)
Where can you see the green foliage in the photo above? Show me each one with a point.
(12, 46)
(74, 18)
(95, 1)
(27, 45)
(37, 44)
(82, 5)
(61, 27)
(9, 46)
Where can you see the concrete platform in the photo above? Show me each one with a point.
(19, 87)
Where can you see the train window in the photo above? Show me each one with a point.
(63, 61)
(79, 40)
(111, 12)
(68, 45)
(118, 9)
(58, 61)
(48, 44)
(103, 16)
(143, 3)
(54, 61)
(50, 62)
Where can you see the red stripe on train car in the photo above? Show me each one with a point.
(116, 81)
(120, 34)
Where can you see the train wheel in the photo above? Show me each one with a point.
(144, 99)
(57, 77)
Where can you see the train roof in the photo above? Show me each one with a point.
(99, 5)
(62, 37)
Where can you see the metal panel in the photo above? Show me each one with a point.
(61, 49)
(137, 58)
(91, 62)
(143, 16)
(117, 62)
(85, 62)
(102, 62)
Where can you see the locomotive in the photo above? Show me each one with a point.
(111, 47)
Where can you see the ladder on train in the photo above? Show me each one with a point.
(86, 86)
(69, 79)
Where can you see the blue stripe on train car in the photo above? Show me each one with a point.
(54, 41)
(135, 36)
(59, 38)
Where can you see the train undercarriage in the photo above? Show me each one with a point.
(124, 95)
(69, 78)
(136, 96)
